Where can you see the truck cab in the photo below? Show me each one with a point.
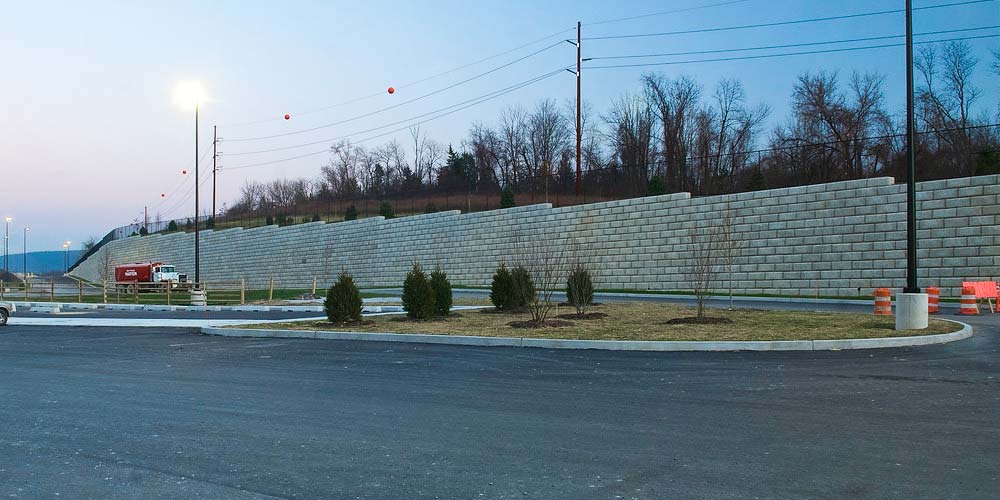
(163, 273)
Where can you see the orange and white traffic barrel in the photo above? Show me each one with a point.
(883, 302)
(969, 305)
(933, 299)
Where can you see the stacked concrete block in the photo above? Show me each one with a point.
(842, 238)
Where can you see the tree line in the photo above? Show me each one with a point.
(675, 134)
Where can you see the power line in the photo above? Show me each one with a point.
(480, 100)
(790, 45)
(377, 111)
(490, 95)
(784, 23)
(786, 54)
(665, 12)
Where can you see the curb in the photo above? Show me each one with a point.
(606, 345)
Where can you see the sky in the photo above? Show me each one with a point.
(91, 133)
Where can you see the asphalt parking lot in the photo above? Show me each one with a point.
(169, 413)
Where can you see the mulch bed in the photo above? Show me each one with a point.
(549, 323)
(348, 324)
(567, 304)
(493, 310)
(407, 319)
(591, 315)
(699, 321)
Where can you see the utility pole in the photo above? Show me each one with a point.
(215, 168)
(579, 60)
(145, 218)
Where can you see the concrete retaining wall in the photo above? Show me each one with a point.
(827, 239)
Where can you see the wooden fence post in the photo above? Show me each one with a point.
(270, 289)
(52, 291)
(79, 294)
(1, 289)
(314, 287)
(104, 287)
(243, 291)
(170, 284)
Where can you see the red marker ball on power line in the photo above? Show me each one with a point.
(287, 116)
(392, 90)
(184, 172)
(163, 195)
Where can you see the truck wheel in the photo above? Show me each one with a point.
(3, 317)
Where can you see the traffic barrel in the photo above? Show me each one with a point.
(883, 302)
(933, 298)
(969, 305)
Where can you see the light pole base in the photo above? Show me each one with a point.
(911, 311)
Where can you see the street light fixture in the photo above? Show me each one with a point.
(66, 256)
(190, 94)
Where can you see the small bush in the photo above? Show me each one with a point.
(269, 221)
(523, 288)
(418, 296)
(442, 292)
(431, 208)
(656, 186)
(210, 223)
(386, 210)
(501, 289)
(343, 300)
(143, 231)
(172, 226)
(507, 198)
(579, 288)
(315, 218)
(351, 213)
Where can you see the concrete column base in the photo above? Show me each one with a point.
(911, 311)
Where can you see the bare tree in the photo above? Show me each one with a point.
(546, 263)
(631, 136)
(105, 265)
(704, 264)
(675, 103)
(731, 245)
(548, 136)
(513, 144)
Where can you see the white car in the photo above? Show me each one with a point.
(6, 309)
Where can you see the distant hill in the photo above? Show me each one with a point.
(41, 262)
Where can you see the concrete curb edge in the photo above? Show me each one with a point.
(607, 345)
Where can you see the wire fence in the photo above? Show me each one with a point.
(216, 293)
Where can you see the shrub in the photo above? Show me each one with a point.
(269, 221)
(143, 231)
(522, 287)
(418, 296)
(172, 226)
(579, 288)
(315, 218)
(343, 300)
(442, 292)
(386, 210)
(430, 208)
(507, 198)
(656, 186)
(351, 213)
(210, 223)
(501, 289)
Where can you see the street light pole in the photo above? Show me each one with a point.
(197, 249)
(911, 305)
(66, 256)
(6, 245)
(24, 254)
(911, 171)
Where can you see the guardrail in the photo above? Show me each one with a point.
(173, 293)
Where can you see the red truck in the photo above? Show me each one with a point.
(128, 275)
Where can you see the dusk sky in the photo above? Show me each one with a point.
(90, 131)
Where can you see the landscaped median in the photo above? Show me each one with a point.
(628, 326)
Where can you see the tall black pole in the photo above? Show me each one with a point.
(579, 169)
(911, 171)
(197, 249)
(215, 168)
(24, 255)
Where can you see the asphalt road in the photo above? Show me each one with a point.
(168, 413)
(180, 314)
